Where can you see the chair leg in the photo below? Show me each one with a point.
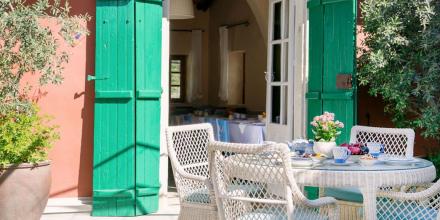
(350, 210)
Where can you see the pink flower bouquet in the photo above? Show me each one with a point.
(325, 128)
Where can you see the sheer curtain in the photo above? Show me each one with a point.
(194, 78)
(224, 64)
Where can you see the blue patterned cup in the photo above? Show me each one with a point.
(374, 149)
(341, 154)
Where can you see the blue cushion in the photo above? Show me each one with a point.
(405, 211)
(261, 216)
(198, 196)
(350, 194)
(280, 214)
(202, 195)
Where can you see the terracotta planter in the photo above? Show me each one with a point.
(24, 191)
(325, 148)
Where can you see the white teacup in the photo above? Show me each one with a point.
(374, 149)
(341, 154)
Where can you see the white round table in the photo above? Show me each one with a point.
(367, 178)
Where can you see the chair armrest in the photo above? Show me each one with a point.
(190, 176)
(323, 201)
(418, 187)
(430, 192)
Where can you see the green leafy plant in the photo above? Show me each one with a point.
(325, 128)
(29, 46)
(25, 137)
(400, 60)
(34, 40)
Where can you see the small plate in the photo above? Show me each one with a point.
(347, 163)
(398, 161)
(302, 162)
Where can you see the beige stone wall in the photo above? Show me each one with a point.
(249, 39)
(180, 44)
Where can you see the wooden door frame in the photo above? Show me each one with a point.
(300, 68)
(165, 105)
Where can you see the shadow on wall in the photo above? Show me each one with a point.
(86, 156)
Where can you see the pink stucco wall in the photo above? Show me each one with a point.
(71, 104)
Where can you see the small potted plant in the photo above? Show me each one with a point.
(33, 40)
(25, 174)
(326, 130)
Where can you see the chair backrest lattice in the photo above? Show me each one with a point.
(396, 141)
(188, 145)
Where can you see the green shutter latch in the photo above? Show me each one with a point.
(92, 78)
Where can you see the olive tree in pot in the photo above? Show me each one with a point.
(29, 46)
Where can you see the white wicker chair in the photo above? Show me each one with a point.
(415, 203)
(396, 141)
(255, 182)
(187, 149)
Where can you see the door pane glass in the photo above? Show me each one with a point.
(284, 111)
(175, 79)
(277, 21)
(276, 62)
(175, 66)
(286, 19)
(175, 92)
(276, 102)
(286, 62)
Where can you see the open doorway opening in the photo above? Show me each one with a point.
(220, 74)
(230, 66)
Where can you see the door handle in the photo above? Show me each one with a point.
(93, 78)
(269, 76)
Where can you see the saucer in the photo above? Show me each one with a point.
(347, 163)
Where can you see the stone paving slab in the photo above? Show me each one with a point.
(169, 212)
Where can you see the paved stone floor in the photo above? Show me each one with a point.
(169, 212)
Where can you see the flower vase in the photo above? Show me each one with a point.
(324, 148)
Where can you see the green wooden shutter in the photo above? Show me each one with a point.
(332, 49)
(127, 107)
(114, 170)
(148, 93)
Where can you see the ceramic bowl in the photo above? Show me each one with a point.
(318, 159)
(367, 162)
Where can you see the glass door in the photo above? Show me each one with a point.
(279, 75)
